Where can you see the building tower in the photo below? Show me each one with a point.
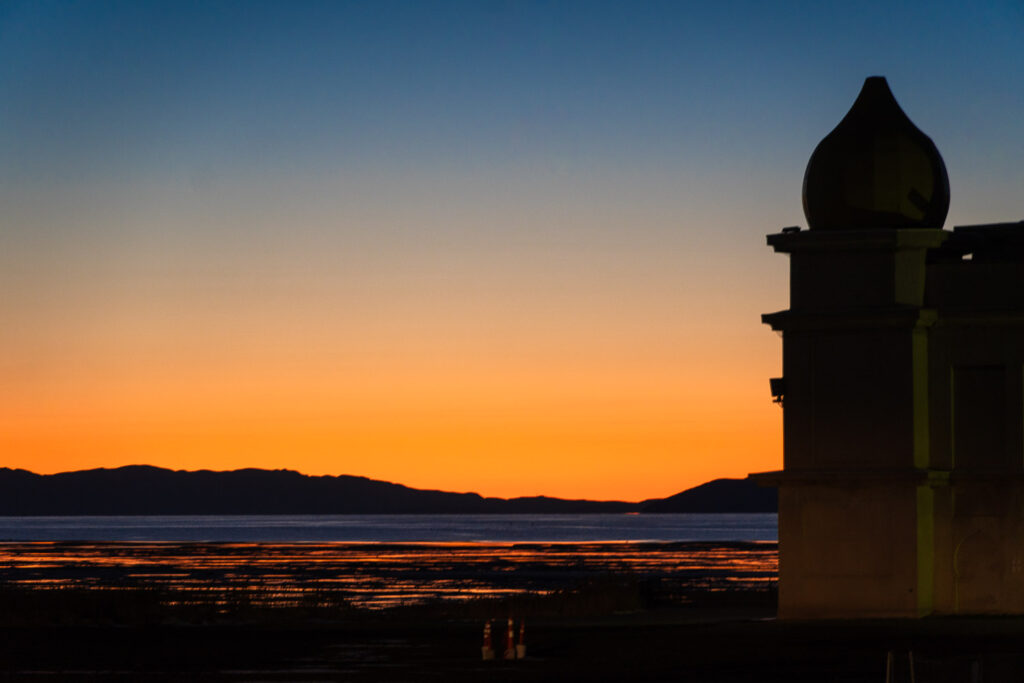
(902, 489)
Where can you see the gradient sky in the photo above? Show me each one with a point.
(514, 248)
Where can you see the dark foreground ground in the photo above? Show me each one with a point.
(699, 612)
(721, 638)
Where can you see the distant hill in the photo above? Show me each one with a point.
(145, 490)
(720, 495)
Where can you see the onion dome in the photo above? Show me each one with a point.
(875, 170)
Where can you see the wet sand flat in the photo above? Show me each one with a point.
(375, 576)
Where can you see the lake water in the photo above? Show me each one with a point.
(587, 528)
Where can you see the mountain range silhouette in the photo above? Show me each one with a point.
(147, 490)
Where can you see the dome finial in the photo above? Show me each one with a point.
(876, 169)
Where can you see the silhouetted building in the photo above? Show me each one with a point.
(902, 492)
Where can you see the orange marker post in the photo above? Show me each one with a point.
(487, 649)
(521, 647)
(510, 650)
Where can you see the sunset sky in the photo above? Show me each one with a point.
(507, 247)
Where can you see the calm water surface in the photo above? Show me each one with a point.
(396, 528)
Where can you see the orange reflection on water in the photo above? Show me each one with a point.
(381, 575)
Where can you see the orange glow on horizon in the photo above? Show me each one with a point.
(575, 371)
(643, 429)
